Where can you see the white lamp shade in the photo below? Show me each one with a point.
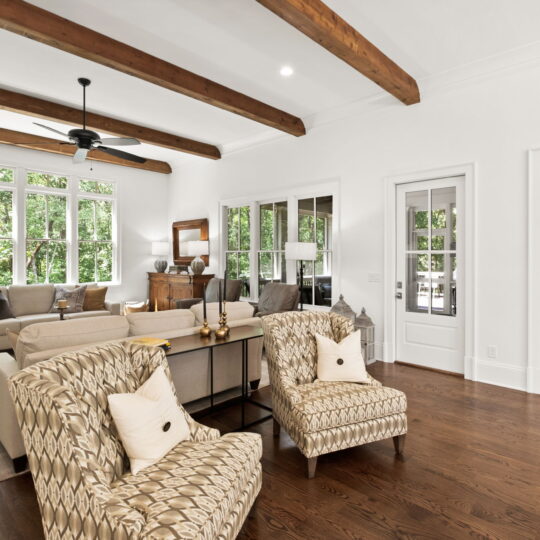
(196, 248)
(300, 251)
(160, 248)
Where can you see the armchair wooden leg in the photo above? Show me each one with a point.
(254, 384)
(399, 444)
(311, 466)
(277, 428)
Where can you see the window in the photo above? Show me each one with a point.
(239, 246)
(95, 232)
(46, 229)
(6, 227)
(272, 238)
(315, 225)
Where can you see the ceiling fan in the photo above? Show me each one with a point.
(86, 140)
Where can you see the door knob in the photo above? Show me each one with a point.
(399, 296)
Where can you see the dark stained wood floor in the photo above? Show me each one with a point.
(471, 470)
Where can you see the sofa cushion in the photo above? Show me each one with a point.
(94, 299)
(191, 492)
(5, 310)
(58, 334)
(159, 321)
(326, 405)
(27, 320)
(86, 314)
(9, 324)
(73, 296)
(30, 299)
(235, 310)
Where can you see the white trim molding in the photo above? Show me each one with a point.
(468, 171)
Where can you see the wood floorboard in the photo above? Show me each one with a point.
(471, 469)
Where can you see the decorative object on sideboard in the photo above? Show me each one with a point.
(364, 323)
(184, 232)
(301, 251)
(161, 250)
(205, 330)
(196, 248)
(342, 308)
(178, 269)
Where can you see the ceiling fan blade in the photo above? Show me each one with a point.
(120, 141)
(80, 155)
(121, 154)
(51, 129)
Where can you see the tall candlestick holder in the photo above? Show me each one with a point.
(223, 331)
(205, 330)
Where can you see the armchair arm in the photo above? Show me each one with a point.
(186, 303)
(200, 433)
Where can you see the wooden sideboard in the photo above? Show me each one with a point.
(166, 288)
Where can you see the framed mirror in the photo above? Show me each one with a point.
(184, 232)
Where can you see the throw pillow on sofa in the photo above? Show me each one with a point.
(5, 309)
(74, 297)
(94, 299)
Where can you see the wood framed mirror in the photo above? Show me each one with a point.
(184, 232)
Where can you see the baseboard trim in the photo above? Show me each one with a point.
(426, 368)
(501, 374)
(533, 380)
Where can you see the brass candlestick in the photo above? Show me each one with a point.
(205, 330)
(223, 330)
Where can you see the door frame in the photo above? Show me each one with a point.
(468, 171)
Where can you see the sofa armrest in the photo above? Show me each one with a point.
(186, 303)
(113, 307)
(10, 432)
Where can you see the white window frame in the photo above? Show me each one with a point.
(20, 188)
(11, 187)
(292, 196)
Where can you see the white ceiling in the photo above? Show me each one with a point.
(242, 45)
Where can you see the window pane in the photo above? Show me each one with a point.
(103, 220)
(104, 261)
(323, 279)
(86, 219)
(6, 214)
(47, 180)
(244, 272)
(306, 224)
(443, 284)
(36, 261)
(281, 224)
(87, 262)
(35, 216)
(6, 262)
(92, 186)
(307, 289)
(417, 220)
(56, 207)
(443, 204)
(266, 269)
(245, 241)
(232, 229)
(56, 252)
(418, 282)
(6, 175)
(267, 226)
(324, 222)
(232, 265)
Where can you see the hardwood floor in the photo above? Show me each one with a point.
(470, 469)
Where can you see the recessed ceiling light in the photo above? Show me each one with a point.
(286, 71)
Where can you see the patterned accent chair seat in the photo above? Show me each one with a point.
(323, 417)
(203, 488)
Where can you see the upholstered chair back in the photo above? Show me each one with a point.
(291, 347)
(234, 289)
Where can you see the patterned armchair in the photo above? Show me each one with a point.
(323, 417)
(202, 489)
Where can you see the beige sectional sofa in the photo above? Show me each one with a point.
(31, 304)
(190, 371)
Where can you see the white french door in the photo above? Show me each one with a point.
(429, 277)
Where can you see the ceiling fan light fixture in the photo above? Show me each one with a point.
(286, 71)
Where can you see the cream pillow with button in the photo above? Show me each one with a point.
(150, 422)
(341, 362)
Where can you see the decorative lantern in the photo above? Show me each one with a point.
(342, 308)
(367, 335)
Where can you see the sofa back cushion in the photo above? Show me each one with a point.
(53, 335)
(235, 310)
(153, 322)
(30, 299)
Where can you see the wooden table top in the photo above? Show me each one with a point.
(195, 342)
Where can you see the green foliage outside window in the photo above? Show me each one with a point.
(93, 186)
(47, 180)
(6, 231)
(6, 175)
(238, 241)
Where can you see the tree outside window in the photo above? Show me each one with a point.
(238, 246)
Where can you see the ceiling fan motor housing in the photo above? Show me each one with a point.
(83, 137)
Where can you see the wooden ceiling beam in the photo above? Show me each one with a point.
(48, 110)
(44, 144)
(36, 23)
(317, 21)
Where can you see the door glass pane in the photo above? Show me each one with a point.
(443, 284)
(417, 220)
(418, 282)
(443, 206)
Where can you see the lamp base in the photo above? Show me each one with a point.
(197, 266)
(160, 265)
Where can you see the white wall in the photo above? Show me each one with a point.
(142, 203)
(491, 122)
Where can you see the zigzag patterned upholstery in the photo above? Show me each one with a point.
(323, 417)
(202, 489)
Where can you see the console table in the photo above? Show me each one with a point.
(243, 334)
(165, 289)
